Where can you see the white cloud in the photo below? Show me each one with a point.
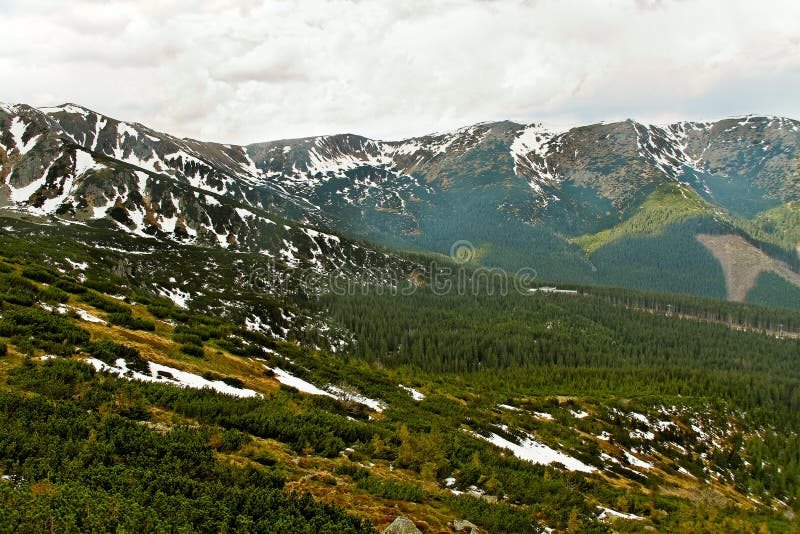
(251, 71)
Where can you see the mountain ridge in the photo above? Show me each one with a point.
(521, 192)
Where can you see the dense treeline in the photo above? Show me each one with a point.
(773, 290)
(582, 338)
(604, 343)
(651, 262)
(733, 313)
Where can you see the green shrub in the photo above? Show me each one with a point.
(202, 331)
(24, 345)
(110, 351)
(192, 350)
(104, 286)
(387, 489)
(164, 310)
(53, 294)
(3, 349)
(40, 274)
(160, 311)
(231, 347)
(69, 286)
(126, 320)
(189, 339)
(106, 304)
(17, 282)
(212, 376)
(18, 297)
(233, 382)
(265, 458)
(44, 328)
(230, 380)
(233, 440)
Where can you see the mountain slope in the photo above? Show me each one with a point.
(522, 196)
(193, 422)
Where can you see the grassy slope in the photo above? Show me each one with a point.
(669, 204)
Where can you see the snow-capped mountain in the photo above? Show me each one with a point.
(518, 192)
(73, 166)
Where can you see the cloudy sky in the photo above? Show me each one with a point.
(244, 71)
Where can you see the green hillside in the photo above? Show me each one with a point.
(780, 225)
(773, 290)
(669, 204)
(660, 415)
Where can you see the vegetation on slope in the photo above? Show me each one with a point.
(467, 354)
(669, 204)
(773, 290)
(782, 224)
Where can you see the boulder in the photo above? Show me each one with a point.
(401, 525)
(462, 525)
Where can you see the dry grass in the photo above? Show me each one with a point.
(430, 515)
(154, 346)
(12, 359)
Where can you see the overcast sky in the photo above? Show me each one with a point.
(244, 71)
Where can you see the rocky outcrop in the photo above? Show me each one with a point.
(401, 525)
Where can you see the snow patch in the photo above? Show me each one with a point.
(78, 265)
(67, 108)
(23, 194)
(86, 316)
(334, 392)
(683, 471)
(535, 452)
(353, 396)
(416, 395)
(607, 513)
(529, 152)
(641, 418)
(638, 434)
(299, 384)
(636, 462)
(177, 296)
(17, 129)
(169, 375)
(124, 129)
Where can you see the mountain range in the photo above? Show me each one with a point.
(707, 208)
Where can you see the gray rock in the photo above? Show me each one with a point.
(462, 525)
(401, 525)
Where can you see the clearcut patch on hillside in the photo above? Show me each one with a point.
(742, 263)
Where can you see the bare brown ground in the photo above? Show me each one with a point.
(742, 263)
